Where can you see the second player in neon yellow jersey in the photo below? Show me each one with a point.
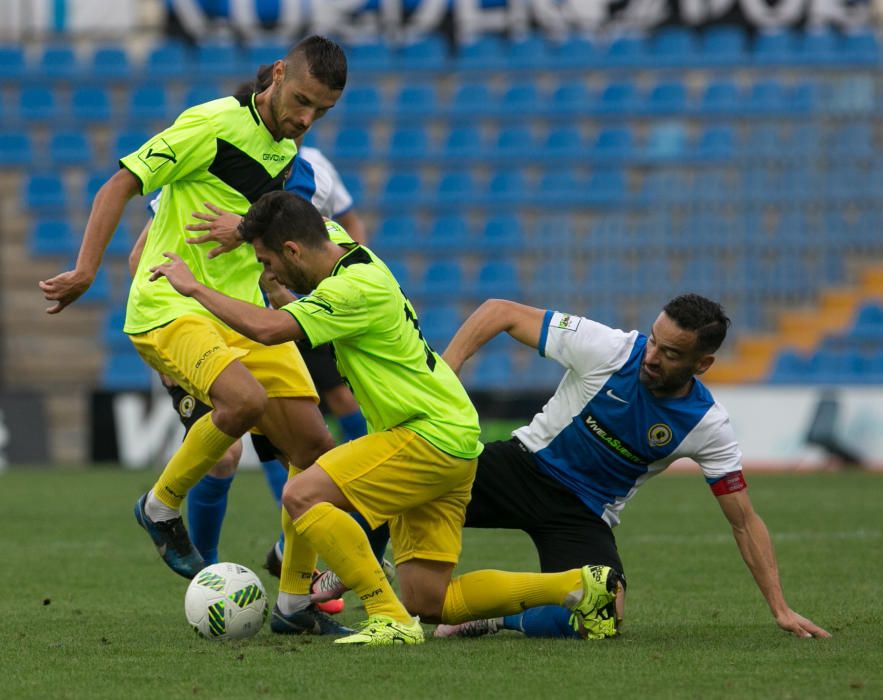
(416, 466)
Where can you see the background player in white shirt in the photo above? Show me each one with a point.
(627, 407)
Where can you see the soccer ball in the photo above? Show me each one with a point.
(226, 601)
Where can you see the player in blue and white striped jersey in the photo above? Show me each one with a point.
(628, 406)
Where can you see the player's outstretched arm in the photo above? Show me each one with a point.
(222, 227)
(756, 547)
(107, 209)
(263, 325)
(494, 316)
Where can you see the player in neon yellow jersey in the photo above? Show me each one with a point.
(415, 467)
(228, 151)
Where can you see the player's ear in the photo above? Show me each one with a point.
(290, 250)
(278, 72)
(703, 364)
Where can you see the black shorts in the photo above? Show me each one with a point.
(322, 367)
(190, 409)
(511, 492)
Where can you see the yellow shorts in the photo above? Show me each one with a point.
(399, 477)
(194, 350)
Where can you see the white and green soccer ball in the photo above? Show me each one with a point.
(226, 601)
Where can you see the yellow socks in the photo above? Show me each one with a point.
(298, 556)
(482, 594)
(203, 447)
(344, 546)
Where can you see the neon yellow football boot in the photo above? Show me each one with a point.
(380, 630)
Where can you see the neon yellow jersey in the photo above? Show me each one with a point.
(395, 376)
(218, 152)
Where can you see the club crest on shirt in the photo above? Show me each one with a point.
(659, 435)
(185, 408)
(567, 322)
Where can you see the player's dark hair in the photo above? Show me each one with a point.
(705, 317)
(261, 82)
(326, 61)
(282, 216)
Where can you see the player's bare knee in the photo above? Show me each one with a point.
(236, 418)
(227, 465)
(297, 498)
(424, 604)
(311, 447)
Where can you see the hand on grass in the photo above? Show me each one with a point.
(799, 626)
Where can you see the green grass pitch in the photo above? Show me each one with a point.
(89, 611)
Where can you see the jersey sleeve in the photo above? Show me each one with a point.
(719, 456)
(185, 147)
(336, 309)
(580, 344)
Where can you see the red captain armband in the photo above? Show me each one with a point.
(729, 483)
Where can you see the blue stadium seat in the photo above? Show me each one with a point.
(93, 183)
(804, 98)
(126, 142)
(493, 371)
(564, 143)
(819, 46)
(110, 63)
(37, 104)
(852, 141)
(166, 60)
(408, 143)
(15, 149)
(361, 103)
(551, 281)
(552, 233)
(836, 366)
(149, 103)
(70, 148)
(396, 235)
(616, 99)
(666, 141)
(561, 187)
(449, 234)
(790, 367)
(262, 53)
(571, 99)
(606, 188)
(529, 52)
(861, 47)
(52, 237)
(497, 279)
(627, 51)
(352, 180)
(112, 331)
(767, 97)
(371, 56)
(439, 324)
(666, 98)
(514, 143)
(502, 234)
(416, 101)
(91, 104)
(353, 142)
(472, 100)
(613, 145)
(852, 94)
(507, 187)
(401, 272)
(201, 93)
(219, 60)
(674, 46)
(486, 52)
(99, 291)
(868, 324)
(463, 143)
(521, 100)
(120, 244)
(125, 371)
(402, 189)
(716, 143)
(58, 62)
(44, 193)
(429, 53)
(442, 279)
(776, 48)
(574, 52)
(455, 188)
(13, 65)
(721, 97)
